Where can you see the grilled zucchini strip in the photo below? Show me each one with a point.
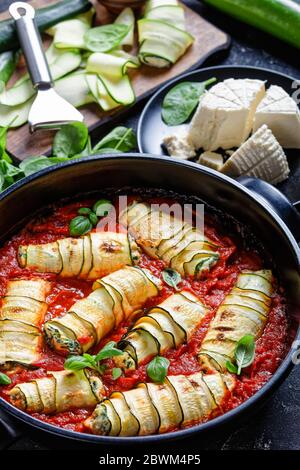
(159, 408)
(92, 256)
(115, 297)
(23, 310)
(168, 325)
(181, 246)
(244, 311)
(59, 391)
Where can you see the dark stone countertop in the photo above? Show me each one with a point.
(276, 426)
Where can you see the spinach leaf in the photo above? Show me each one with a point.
(70, 140)
(80, 226)
(9, 174)
(171, 277)
(120, 139)
(157, 369)
(244, 352)
(4, 379)
(181, 101)
(105, 38)
(33, 164)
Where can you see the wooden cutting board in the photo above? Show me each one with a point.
(208, 40)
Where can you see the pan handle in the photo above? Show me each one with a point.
(9, 431)
(288, 212)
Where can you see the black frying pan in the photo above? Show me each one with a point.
(144, 171)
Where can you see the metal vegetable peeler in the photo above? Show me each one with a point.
(49, 110)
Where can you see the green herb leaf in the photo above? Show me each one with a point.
(109, 350)
(80, 226)
(244, 352)
(102, 207)
(181, 101)
(76, 363)
(171, 277)
(157, 369)
(116, 373)
(120, 139)
(33, 164)
(84, 211)
(231, 367)
(93, 218)
(4, 379)
(105, 38)
(70, 140)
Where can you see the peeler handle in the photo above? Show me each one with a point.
(31, 44)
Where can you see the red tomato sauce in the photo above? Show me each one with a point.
(271, 348)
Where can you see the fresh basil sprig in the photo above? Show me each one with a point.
(88, 218)
(181, 101)
(4, 379)
(105, 38)
(171, 277)
(157, 369)
(95, 361)
(244, 355)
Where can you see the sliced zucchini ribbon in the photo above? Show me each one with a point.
(92, 256)
(23, 310)
(162, 36)
(166, 326)
(159, 408)
(59, 391)
(182, 246)
(114, 299)
(244, 311)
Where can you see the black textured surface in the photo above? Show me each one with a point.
(276, 426)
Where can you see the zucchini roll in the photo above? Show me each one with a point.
(244, 311)
(22, 312)
(180, 245)
(166, 326)
(114, 299)
(90, 257)
(159, 408)
(59, 391)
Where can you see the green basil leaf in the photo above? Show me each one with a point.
(244, 352)
(120, 139)
(4, 379)
(105, 38)
(93, 218)
(116, 373)
(70, 140)
(102, 207)
(84, 211)
(76, 363)
(231, 367)
(106, 353)
(181, 101)
(171, 277)
(157, 369)
(80, 226)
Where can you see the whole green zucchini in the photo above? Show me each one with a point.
(281, 18)
(45, 18)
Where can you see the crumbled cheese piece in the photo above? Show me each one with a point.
(212, 160)
(179, 146)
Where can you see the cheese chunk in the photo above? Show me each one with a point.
(281, 114)
(224, 117)
(179, 146)
(261, 156)
(211, 160)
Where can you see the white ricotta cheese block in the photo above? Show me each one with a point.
(261, 156)
(281, 114)
(224, 117)
(179, 146)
